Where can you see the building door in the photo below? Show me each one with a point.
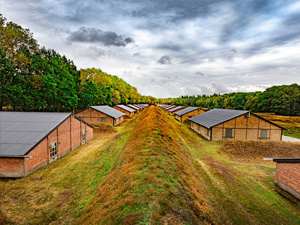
(53, 151)
(83, 136)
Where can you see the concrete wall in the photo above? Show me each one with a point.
(288, 176)
(243, 128)
(68, 136)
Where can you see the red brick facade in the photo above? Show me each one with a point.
(288, 177)
(68, 136)
(93, 116)
(129, 114)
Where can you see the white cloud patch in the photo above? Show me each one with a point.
(172, 48)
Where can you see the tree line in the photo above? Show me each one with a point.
(33, 78)
(282, 100)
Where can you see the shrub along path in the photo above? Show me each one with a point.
(153, 170)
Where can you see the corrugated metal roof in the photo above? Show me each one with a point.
(186, 110)
(108, 111)
(126, 108)
(170, 107)
(216, 116)
(134, 107)
(21, 131)
(176, 108)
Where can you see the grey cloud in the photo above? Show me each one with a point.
(136, 54)
(165, 60)
(200, 73)
(93, 35)
(172, 47)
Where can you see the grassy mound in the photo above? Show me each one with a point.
(103, 128)
(259, 149)
(3, 219)
(153, 182)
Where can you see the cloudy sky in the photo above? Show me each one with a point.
(168, 48)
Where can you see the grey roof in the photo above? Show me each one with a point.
(216, 116)
(114, 113)
(186, 110)
(134, 107)
(128, 109)
(176, 108)
(170, 107)
(20, 132)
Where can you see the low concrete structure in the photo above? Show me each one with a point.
(225, 124)
(31, 140)
(288, 175)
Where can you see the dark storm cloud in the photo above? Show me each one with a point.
(164, 60)
(93, 35)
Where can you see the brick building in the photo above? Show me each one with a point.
(128, 111)
(187, 113)
(134, 107)
(224, 124)
(101, 114)
(31, 140)
(288, 175)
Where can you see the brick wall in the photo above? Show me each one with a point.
(130, 114)
(201, 130)
(68, 136)
(11, 167)
(288, 177)
(93, 116)
(191, 114)
(246, 129)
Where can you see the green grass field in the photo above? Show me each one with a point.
(152, 170)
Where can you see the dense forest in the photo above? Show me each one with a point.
(282, 100)
(33, 78)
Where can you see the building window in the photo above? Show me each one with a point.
(264, 134)
(102, 120)
(53, 151)
(207, 132)
(228, 133)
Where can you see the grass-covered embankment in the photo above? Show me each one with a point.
(153, 181)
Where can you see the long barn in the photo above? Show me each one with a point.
(101, 114)
(31, 140)
(224, 124)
